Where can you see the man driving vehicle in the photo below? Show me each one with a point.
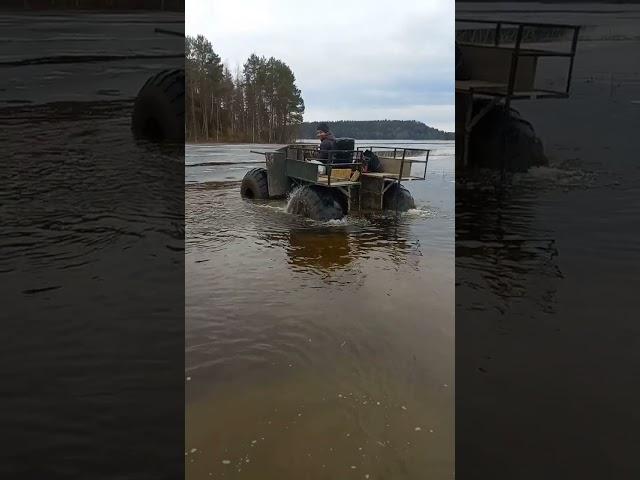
(327, 141)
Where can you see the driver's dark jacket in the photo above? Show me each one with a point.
(329, 143)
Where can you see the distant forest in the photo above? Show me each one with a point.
(378, 130)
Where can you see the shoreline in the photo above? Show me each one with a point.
(187, 142)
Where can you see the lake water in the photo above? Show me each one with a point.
(317, 350)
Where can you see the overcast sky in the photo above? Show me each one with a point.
(353, 59)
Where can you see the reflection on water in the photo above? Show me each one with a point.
(502, 252)
(337, 245)
(526, 315)
(318, 350)
(319, 249)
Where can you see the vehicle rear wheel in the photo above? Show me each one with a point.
(254, 184)
(400, 196)
(316, 203)
(503, 137)
(158, 111)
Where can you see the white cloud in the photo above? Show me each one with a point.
(351, 58)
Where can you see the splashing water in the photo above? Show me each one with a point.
(293, 201)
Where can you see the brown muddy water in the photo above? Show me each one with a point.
(317, 350)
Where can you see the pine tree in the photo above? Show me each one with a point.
(260, 104)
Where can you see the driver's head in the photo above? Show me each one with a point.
(322, 131)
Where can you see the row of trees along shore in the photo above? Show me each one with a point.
(260, 103)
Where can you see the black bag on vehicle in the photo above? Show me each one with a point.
(347, 144)
(371, 161)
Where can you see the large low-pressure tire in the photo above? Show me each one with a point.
(317, 203)
(254, 184)
(158, 112)
(503, 137)
(400, 196)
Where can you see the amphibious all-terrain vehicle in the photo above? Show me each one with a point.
(348, 179)
(497, 63)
